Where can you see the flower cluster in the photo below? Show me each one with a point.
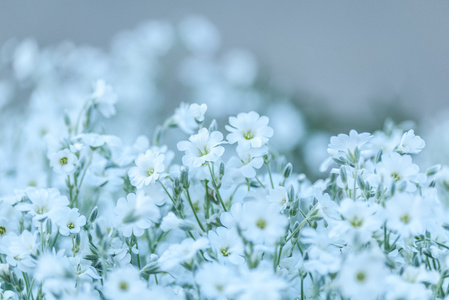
(223, 217)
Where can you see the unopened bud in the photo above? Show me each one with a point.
(93, 215)
(185, 177)
(287, 170)
(213, 126)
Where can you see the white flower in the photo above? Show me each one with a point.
(278, 198)
(135, 214)
(9, 220)
(179, 253)
(360, 221)
(104, 98)
(149, 167)
(262, 224)
(19, 250)
(259, 284)
(124, 284)
(98, 140)
(405, 214)
(362, 276)
(171, 221)
(249, 129)
(214, 281)
(410, 143)
(344, 145)
(198, 111)
(63, 162)
(398, 168)
(202, 148)
(70, 221)
(44, 203)
(188, 118)
(227, 245)
(249, 160)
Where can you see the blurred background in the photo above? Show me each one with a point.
(317, 68)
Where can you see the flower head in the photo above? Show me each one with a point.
(149, 167)
(202, 148)
(249, 129)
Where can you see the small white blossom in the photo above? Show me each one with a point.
(149, 167)
(124, 283)
(249, 129)
(63, 162)
(202, 148)
(70, 221)
(410, 143)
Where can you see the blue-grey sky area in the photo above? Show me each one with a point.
(345, 52)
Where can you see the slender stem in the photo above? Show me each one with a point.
(166, 191)
(214, 184)
(193, 209)
(269, 174)
(260, 182)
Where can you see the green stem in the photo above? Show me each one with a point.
(269, 174)
(193, 209)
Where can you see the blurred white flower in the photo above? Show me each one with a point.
(104, 98)
(261, 223)
(135, 214)
(362, 276)
(214, 281)
(179, 253)
(124, 284)
(227, 245)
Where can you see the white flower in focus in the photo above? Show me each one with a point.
(135, 214)
(104, 98)
(63, 162)
(362, 276)
(227, 244)
(124, 284)
(149, 167)
(70, 221)
(249, 129)
(262, 224)
(179, 253)
(410, 143)
(214, 281)
(202, 148)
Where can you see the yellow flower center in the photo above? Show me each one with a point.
(261, 223)
(225, 252)
(123, 285)
(71, 225)
(63, 161)
(248, 134)
(361, 277)
(2, 230)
